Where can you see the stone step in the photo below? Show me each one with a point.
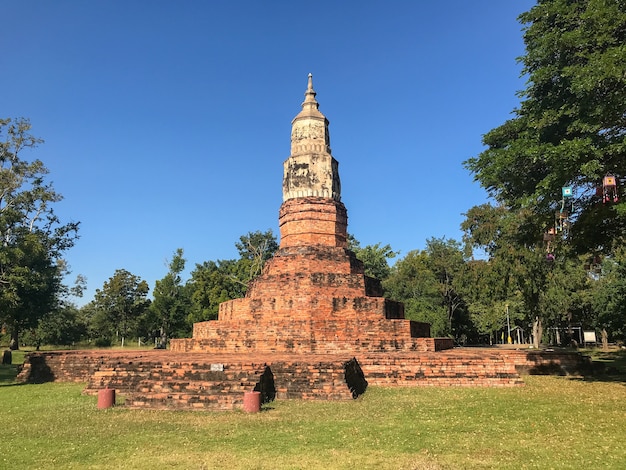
(183, 401)
(440, 369)
(164, 379)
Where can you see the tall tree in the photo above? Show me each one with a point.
(446, 261)
(609, 297)
(170, 305)
(567, 134)
(374, 257)
(570, 128)
(121, 301)
(493, 303)
(214, 282)
(562, 301)
(32, 238)
(63, 326)
(255, 249)
(515, 254)
(412, 282)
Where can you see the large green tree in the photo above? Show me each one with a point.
(374, 257)
(568, 132)
(214, 282)
(32, 238)
(255, 249)
(447, 262)
(63, 326)
(171, 303)
(563, 301)
(120, 304)
(570, 128)
(517, 259)
(429, 282)
(609, 297)
(412, 282)
(492, 305)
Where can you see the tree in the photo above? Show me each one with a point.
(569, 130)
(212, 283)
(562, 302)
(519, 260)
(32, 238)
(255, 249)
(486, 302)
(447, 263)
(412, 282)
(63, 326)
(374, 258)
(609, 297)
(120, 303)
(170, 305)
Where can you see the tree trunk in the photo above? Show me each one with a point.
(605, 340)
(537, 332)
(163, 344)
(14, 345)
(7, 358)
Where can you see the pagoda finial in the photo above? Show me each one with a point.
(309, 95)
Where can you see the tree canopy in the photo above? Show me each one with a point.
(32, 237)
(170, 303)
(570, 128)
(549, 167)
(374, 257)
(214, 282)
(120, 304)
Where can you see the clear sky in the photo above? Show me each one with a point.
(166, 123)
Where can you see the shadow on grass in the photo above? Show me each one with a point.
(8, 373)
(606, 366)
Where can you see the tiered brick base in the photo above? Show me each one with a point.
(312, 297)
(158, 379)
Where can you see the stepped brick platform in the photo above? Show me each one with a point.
(311, 299)
(312, 325)
(199, 381)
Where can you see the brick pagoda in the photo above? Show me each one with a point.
(313, 296)
(312, 325)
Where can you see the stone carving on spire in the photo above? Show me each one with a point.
(311, 170)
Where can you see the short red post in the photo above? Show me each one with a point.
(252, 402)
(106, 398)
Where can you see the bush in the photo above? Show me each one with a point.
(103, 342)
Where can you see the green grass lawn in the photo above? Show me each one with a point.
(552, 422)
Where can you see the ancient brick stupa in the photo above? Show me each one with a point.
(313, 296)
(312, 326)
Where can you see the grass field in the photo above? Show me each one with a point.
(552, 422)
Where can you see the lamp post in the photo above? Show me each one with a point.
(508, 325)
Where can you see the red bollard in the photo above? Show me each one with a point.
(252, 402)
(106, 398)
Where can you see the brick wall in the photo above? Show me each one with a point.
(308, 221)
(163, 379)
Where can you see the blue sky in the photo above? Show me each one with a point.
(166, 123)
